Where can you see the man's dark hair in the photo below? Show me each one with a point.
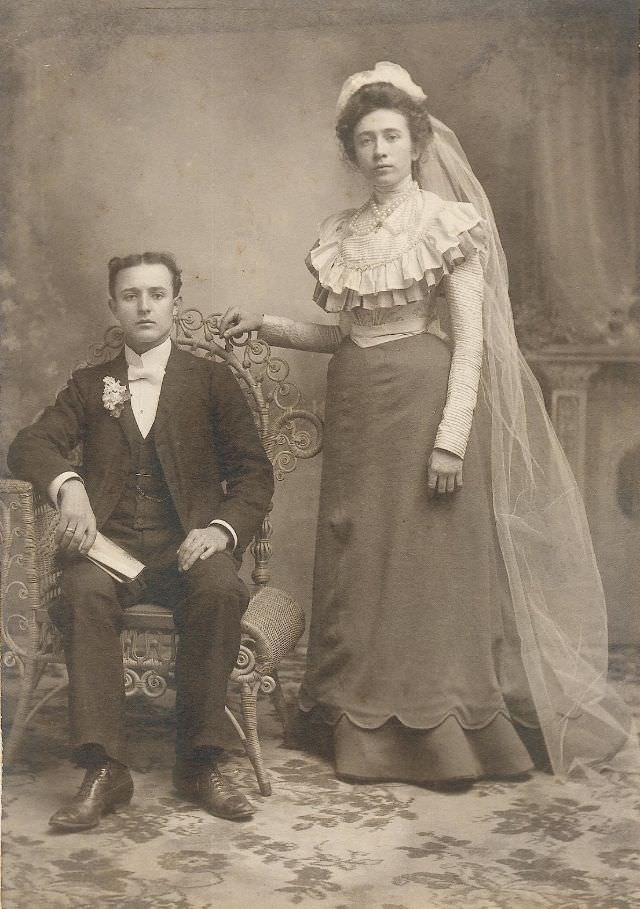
(147, 258)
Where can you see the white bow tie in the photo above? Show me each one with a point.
(154, 375)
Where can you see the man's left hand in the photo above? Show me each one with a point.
(201, 543)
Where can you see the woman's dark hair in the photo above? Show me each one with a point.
(383, 95)
(147, 258)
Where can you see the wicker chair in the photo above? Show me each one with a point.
(273, 622)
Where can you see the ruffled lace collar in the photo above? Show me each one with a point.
(360, 254)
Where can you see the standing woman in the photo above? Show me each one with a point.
(458, 627)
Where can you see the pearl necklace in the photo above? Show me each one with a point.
(380, 215)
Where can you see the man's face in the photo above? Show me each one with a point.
(144, 305)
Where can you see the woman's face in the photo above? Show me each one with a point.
(383, 147)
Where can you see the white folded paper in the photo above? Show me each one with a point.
(113, 559)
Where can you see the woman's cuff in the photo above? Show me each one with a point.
(452, 440)
(274, 330)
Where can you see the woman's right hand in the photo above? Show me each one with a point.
(235, 322)
(444, 472)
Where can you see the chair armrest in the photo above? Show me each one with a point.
(276, 622)
(29, 564)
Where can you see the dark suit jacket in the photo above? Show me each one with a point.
(204, 432)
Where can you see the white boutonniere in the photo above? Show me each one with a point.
(114, 396)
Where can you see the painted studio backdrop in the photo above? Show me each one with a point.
(210, 133)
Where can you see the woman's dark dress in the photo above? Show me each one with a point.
(411, 674)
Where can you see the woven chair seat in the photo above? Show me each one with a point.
(273, 618)
(147, 615)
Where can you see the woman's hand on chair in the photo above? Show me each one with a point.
(444, 474)
(236, 322)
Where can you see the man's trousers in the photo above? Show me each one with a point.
(207, 601)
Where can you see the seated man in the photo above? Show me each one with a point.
(162, 430)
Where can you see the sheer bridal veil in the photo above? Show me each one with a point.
(554, 594)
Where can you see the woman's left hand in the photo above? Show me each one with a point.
(444, 474)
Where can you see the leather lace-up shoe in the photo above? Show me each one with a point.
(208, 787)
(104, 788)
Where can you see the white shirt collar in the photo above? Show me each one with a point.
(156, 358)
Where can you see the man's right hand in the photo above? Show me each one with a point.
(235, 322)
(76, 530)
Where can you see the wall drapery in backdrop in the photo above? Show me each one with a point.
(584, 158)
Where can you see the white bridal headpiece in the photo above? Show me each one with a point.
(382, 72)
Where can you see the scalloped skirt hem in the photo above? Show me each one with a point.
(444, 754)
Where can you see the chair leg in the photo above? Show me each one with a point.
(33, 672)
(280, 703)
(248, 699)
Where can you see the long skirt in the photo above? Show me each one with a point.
(413, 671)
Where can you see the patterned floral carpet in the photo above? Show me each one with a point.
(539, 844)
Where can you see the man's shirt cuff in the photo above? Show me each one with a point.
(56, 483)
(228, 527)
